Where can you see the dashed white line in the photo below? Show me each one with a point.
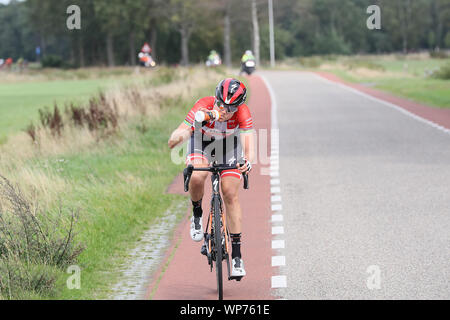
(277, 207)
(275, 182)
(276, 198)
(277, 218)
(275, 190)
(278, 230)
(279, 282)
(278, 261)
(277, 244)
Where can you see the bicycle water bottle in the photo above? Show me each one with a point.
(212, 115)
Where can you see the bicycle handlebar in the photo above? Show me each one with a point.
(187, 173)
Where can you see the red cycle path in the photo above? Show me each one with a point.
(185, 274)
(436, 115)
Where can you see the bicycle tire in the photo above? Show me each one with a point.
(218, 247)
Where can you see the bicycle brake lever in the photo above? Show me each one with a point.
(246, 186)
(245, 176)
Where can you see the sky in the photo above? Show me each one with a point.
(6, 1)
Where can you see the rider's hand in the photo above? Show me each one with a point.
(246, 167)
(222, 113)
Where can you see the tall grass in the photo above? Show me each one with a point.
(35, 246)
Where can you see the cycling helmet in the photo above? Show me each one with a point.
(230, 94)
(248, 52)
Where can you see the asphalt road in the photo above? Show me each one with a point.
(364, 188)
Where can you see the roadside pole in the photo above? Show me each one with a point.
(272, 37)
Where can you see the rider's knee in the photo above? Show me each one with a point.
(197, 181)
(230, 195)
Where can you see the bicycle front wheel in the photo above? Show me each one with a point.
(218, 236)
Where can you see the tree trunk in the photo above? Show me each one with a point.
(110, 49)
(153, 40)
(133, 48)
(255, 31)
(81, 52)
(185, 34)
(226, 35)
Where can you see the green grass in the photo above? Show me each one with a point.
(431, 92)
(408, 78)
(19, 102)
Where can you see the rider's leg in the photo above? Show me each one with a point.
(230, 187)
(196, 186)
(230, 190)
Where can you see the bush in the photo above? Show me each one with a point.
(443, 73)
(366, 64)
(51, 61)
(35, 246)
(310, 62)
(438, 54)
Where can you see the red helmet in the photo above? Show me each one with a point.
(230, 93)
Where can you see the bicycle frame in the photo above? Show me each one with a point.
(217, 222)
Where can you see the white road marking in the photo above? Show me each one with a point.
(277, 244)
(275, 190)
(279, 282)
(277, 218)
(277, 207)
(275, 198)
(275, 182)
(274, 174)
(278, 230)
(278, 261)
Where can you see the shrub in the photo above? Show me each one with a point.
(51, 61)
(443, 73)
(310, 62)
(360, 63)
(438, 54)
(35, 245)
(52, 120)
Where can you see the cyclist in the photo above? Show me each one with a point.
(248, 55)
(228, 140)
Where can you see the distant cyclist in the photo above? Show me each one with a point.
(248, 62)
(228, 140)
(248, 55)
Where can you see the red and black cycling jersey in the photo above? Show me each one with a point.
(241, 120)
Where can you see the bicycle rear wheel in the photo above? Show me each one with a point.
(218, 235)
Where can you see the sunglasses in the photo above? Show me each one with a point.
(230, 109)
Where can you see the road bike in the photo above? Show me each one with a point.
(216, 236)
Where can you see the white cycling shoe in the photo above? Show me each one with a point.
(196, 229)
(237, 267)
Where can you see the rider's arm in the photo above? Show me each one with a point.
(181, 134)
(248, 145)
(246, 132)
(184, 130)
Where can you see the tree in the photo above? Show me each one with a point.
(256, 41)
